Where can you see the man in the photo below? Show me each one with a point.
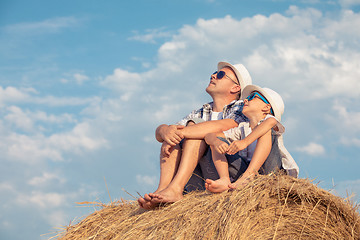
(178, 161)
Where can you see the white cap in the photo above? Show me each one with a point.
(241, 73)
(273, 97)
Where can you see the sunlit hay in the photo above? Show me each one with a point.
(270, 207)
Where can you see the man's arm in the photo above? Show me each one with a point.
(198, 131)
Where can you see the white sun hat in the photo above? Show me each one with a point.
(273, 97)
(240, 71)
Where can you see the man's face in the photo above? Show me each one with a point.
(224, 84)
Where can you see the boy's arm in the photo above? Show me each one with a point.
(260, 130)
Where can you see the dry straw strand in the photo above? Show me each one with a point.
(281, 214)
(327, 215)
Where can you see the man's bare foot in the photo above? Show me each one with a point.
(168, 195)
(146, 203)
(217, 186)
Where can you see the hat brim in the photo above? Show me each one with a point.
(253, 88)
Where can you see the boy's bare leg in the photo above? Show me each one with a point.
(168, 169)
(193, 149)
(221, 165)
(262, 150)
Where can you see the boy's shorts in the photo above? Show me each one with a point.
(237, 166)
(206, 170)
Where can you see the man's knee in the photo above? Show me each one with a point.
(197, 145)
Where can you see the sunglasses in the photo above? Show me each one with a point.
(221, 74)
(256, 94)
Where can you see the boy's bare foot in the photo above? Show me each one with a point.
(168, 195)
(240, 183)
(217, 186)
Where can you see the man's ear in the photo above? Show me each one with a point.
(235, 89)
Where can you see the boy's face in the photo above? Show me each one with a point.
(254, 106)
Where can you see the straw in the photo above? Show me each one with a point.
(269, 207)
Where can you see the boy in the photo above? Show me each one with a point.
(261, 105)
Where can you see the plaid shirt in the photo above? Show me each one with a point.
(232, 111)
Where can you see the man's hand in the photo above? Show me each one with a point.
(236, 146)
(172, 134)
(166, 149)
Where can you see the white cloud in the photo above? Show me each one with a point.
(63, 101)
(42, 199)
(350, 141)
(26, 120)
(80, 138)
(56, 218)
(6, 186)
(46, 179)
(80, 78)
(345, 117)
(146, 180)
(12, 94)
(33, 149)
(124, 82)
(150, 35)
(312, 149)
(52, 25)
(20, 119)
(342, 117)
(298, 52)
(349, 3)
(29, 149)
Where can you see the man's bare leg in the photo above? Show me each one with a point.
(193, 150)
(168, 168)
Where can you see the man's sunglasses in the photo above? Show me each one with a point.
(221, 74)
(256, 94)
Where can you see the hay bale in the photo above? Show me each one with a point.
(270, 207)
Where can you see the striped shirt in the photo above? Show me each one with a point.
(231, 111)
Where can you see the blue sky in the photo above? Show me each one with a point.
(84, 84)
